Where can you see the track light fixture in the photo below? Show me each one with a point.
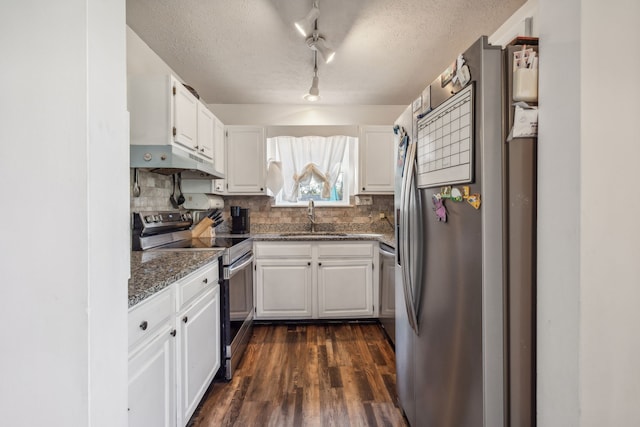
(314, 91)
(307, 24)
(308, 27)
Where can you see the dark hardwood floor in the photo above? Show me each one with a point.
(339, 374)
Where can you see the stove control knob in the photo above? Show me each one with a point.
(148, 218)
(158, 218)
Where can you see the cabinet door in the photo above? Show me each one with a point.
(219, 156)
(245, 160)
(185, 114)
(375, 160)
(199, 352)
(345, 288)
(283, 289)
(387, 287)
(205, 131)
(152, 381)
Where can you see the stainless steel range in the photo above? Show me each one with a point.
(170, 231)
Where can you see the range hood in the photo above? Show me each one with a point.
(169, 159)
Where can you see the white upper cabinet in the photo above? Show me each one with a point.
(164, 112)
(206, 129)
(185, 116)
(219, 156)
(245, 168)
(376, 158)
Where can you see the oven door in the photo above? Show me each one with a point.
(239, 310)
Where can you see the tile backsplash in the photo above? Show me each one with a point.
(155, 190)
(265, 218)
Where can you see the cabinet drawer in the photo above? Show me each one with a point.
(194, 284)
(342, 250)
(144, 318)
(279, 250)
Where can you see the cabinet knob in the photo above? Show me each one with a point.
(173, 333)
(205, 280)
(144, 325)
(362, 188)
(261, 189)
(309, 263)
(319, 263)
(185, 319)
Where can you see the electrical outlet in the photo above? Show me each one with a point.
(381, 215)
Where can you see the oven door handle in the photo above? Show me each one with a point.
(233, 269)
(385, 252)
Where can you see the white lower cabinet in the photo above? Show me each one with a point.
(345, 288)
(174, 350)
(199, 357)
(283, 289)
(312, 280)
(152, 381)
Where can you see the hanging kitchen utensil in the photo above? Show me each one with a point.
(136, 186)
(181, 198)
(172, 198)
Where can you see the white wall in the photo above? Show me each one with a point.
(63, 293)
(142, 60)
(588, 236)
(559, 188)
(306, 114)
(516, 25)
(609, 215)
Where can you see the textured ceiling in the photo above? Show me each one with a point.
(248, 51)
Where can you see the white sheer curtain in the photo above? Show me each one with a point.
(310, 156)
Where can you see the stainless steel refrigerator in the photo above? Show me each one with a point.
(465, 283)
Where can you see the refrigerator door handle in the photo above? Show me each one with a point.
(407, 255)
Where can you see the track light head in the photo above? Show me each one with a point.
(314, 91)
(307, 24)
(318, 44)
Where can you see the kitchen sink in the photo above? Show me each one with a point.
(315, 234)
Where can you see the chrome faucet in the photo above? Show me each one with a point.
(311, 213)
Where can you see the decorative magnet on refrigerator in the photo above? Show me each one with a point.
(474, 200)
(439, 209)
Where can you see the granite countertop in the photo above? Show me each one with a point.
(152, 271)
(387, 238)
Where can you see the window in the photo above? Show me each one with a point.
(310, 168)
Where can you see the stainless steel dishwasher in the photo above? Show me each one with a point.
(387, 291)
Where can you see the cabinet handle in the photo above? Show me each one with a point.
(205, 280)
(144, 325)
(185, 319)
(173, 333)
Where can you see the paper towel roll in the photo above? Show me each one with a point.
(198, 201)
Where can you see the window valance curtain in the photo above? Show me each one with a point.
(310, 156)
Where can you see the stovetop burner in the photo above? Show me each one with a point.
(170, 231)
(208, 243)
